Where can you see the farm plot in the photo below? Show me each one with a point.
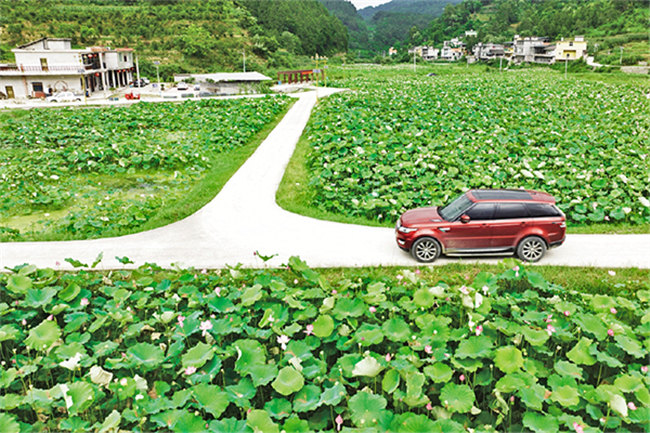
(293, 350)
(394, 144)
(81, 173)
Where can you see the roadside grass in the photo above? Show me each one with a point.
(176, 206)
(625, 281)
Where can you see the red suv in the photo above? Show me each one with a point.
(484, 221)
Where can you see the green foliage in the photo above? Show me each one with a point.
(401, 143)
(146, 365)
(86, 173)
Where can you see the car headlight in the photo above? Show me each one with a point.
(405, 229)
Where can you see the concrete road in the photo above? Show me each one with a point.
(244, 218)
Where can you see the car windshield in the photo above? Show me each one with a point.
(456, 208)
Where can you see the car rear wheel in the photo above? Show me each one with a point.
(531, 249)
(426, 250)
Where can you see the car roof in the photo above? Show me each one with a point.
(509, 194)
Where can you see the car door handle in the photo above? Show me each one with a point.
(444, 229)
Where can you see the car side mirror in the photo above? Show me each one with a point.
(464, 219)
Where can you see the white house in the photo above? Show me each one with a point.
(427, 53)
(488, 51)
(50, 65)
(571, 50)
(452, 50)
(533, 50)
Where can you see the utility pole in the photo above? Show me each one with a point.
(621, 61)
(566, 66)
(414, 52)
(500, 62)
(244, 52)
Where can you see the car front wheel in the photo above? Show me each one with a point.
(426, 250)
(531, 249)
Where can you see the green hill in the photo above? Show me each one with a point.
(431, 8)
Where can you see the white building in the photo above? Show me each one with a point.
(427, 53)
(227, 83)
(469, 33)
(50, 65)
(533, 50)
(488, 51)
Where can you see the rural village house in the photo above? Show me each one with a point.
(427, 53)
(51, 64)
(571, 50)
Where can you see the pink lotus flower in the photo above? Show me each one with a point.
(479, 329)
(512, 399)
(339, 421)
(610, 332)
(310, 330)
(516, 268)
(388, 358)
(334, 292)
(190, 370)
(550, 329)
(399, 277)
(613, 310)
(567, 313)
(84, 301)
(461, 378)
(644, 369)
(217, 291)
(428, 349)
(464, 290)
(295, 281)
(548, 318)
(50, 317)
(205, 327)
(417, 272)
(204, 271)
(631, 405)
(24, 322)
(58, 263)
(372, 309)
(429, 407)
(612, 273)
(180, 320)
(485, 290)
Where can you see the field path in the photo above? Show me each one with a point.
(244, 218)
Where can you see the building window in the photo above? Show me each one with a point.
(125, 58)
(570, 44)
(37, 87)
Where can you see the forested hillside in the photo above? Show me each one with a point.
(432, 8)
(197, 35)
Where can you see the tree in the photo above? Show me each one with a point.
(195, 41)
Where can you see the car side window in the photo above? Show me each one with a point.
(510, 211)
(541, 210)
(481, 212)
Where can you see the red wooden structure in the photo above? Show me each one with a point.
(300, 76)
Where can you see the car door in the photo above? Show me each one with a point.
(509, 220)
(474, 234)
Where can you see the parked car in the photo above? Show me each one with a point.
(139, 83)
(205, 94)
(484, 222)
(63, 97)
(197, 87)
(182, 86)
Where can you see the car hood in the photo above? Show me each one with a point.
(425, 215)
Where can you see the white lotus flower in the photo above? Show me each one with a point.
(72, 363)
(100, 376)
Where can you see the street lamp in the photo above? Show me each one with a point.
(244, 53)
(156, 64)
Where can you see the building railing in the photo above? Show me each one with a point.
(39, 68)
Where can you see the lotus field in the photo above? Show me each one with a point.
(397, 143)
(258, 350)
(86, 172)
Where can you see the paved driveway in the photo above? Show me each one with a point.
(244, 218)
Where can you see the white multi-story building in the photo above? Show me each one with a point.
(488, 51)
(533, 50)
(50, 65)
